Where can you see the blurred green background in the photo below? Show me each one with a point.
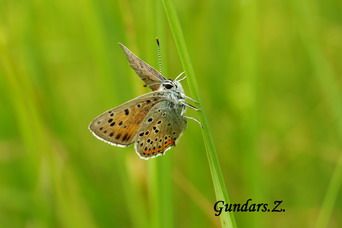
(268, 73)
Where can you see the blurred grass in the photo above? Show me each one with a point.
(306, 13)
(248, 111)
(268, 75)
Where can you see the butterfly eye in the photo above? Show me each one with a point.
(168, 86)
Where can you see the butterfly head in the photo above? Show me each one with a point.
(172, 86)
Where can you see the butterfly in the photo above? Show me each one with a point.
(154, 121)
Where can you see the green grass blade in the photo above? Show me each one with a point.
(227, 219)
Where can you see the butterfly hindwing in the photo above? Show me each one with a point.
(159, 131)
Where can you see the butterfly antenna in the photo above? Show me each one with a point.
(159, 55)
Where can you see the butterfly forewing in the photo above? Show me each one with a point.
(119, 125)
(148, 74)
(159, 131)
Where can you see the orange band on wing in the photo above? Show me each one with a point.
(161, 148)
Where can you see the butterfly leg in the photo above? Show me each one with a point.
(179, 76)
(191, 99)
(191, 118)
(191, 106)
(182, 79)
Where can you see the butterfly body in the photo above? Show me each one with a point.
(153, 121)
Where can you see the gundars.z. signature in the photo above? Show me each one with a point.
(220, 206)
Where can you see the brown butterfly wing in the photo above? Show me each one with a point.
(160, 130)
(119, 125)
(147, 73)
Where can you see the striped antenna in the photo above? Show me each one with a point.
(159, 56)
